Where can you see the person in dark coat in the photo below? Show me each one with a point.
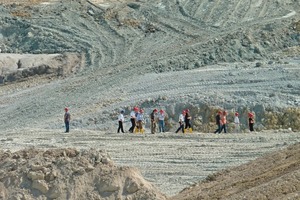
(67, 118)
(251, 121)
(218, 122)
(187, 121)
(153, 118)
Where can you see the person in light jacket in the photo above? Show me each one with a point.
(161, 121)
(236, 122)
(121, 121)
(181, 122)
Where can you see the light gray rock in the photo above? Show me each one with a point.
(40, 185)
(36, 175)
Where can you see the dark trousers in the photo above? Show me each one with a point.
(181, 126)
(218, 130)
(132, 125)
(188, 124)
(67, 124)
(251, 127)
(223, 127)
(120, 127)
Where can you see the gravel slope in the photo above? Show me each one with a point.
(237, 55)
(229, 55)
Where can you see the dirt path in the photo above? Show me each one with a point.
(170, 161)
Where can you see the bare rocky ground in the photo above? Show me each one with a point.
(69, 174)
(97, 57)
(169, 161)
(273, 176)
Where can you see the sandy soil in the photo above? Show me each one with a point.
(170, 161)
(273, 176)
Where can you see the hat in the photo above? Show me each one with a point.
(236, 114)
(66, 109)
(161, 111)
(155, 110)
(136, 109)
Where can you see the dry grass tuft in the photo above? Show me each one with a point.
(131, 22)
(297, 26)
(21, 13)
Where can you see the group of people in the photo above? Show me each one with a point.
(137, 121)
(221, 121)
(156, 117)
(184, 122)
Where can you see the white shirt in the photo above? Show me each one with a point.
(236, 120)
(161, 116)
(121, 117)
(140, 117)
(181, 118)
(132, 114)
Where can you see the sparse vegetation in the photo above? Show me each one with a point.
(297, 26)
(20, 13)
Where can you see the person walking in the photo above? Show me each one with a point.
(187, 121)
(67, 118)
(161, 121)
(223, 122)
(121, 121)
(181, 122)
(218, 122)
(236, 122)
(153, 117)
(140, 120)
(251, 121)
(133, 115)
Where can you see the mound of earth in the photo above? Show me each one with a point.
(34, 174)
(274, 176)
(68, 173)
